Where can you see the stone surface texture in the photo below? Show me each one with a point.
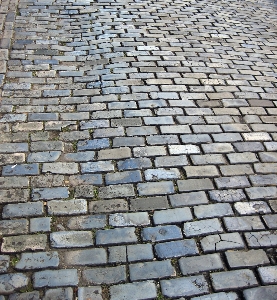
(138, 149)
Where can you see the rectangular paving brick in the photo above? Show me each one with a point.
(150, 203)
(221, 242)
(188, 199)
(176, 249)
(116, 236)
(55, 278)
(129, 219)
(213, 210)
(175, 215)
(135, 290)
(23, 210)
(108, 275)
(203, 263)
(151, 270)
(155, 188)
(22, 243)
(14, 195)
(233, 280)
(106, 206)
(20, 170)
(123, 177)
(242, 259)
(39, 260)
(71, 239)
(161, 233)
(204, 227)
(261, 239)
(121, 190)
(191, 286)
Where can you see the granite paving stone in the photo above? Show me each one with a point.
(151, 270)
(246, 223)
(55, 278)
(237, 259)
(135, 290)
(221, 242)
(70, 239)
(218, 296)
(176, 249)
(233, 279)
(89, 293)
(115, 236)
(106, 275)
(12, 282)
(196, 264)
(86, 257)
(62, 293)
(138, 150)
(38, 260)
(266, 292)
(190, 286)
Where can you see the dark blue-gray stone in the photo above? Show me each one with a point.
(93, 144)
(23, 210)
(134, 163)
(116, 236)
(24, 296)
(262, 292)
(151, 270)
(11, 282)
(176, 249)
(47, 156)
(66, 277)
(39, 260)
(161, 233)
(23, 169)
(59, 294)
(134, 291)
(188, 286)
(50, 193)
(40, 224)
(140, 252)
(96, 256)
(4, 263)
(123, 177)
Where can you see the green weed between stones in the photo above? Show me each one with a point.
(14, 260)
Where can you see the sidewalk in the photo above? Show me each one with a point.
(138, 150)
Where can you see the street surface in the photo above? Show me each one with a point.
(138, 150)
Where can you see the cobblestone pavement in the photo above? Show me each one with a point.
(138, 149)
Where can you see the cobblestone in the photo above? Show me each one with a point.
(39, 260)
(233, 279)
(267, 292)
(246, 223)
(12, 282)
(161, 233)
(221, 242)
(135, 290)
(70, 239)
(86, 257)
(138, 143)
(151, 270)
(194, 285)
(55, 278)
(105, 275)
(176, 249)
(237, 259)
(64, 293)
(194, 265)
(115, 236)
